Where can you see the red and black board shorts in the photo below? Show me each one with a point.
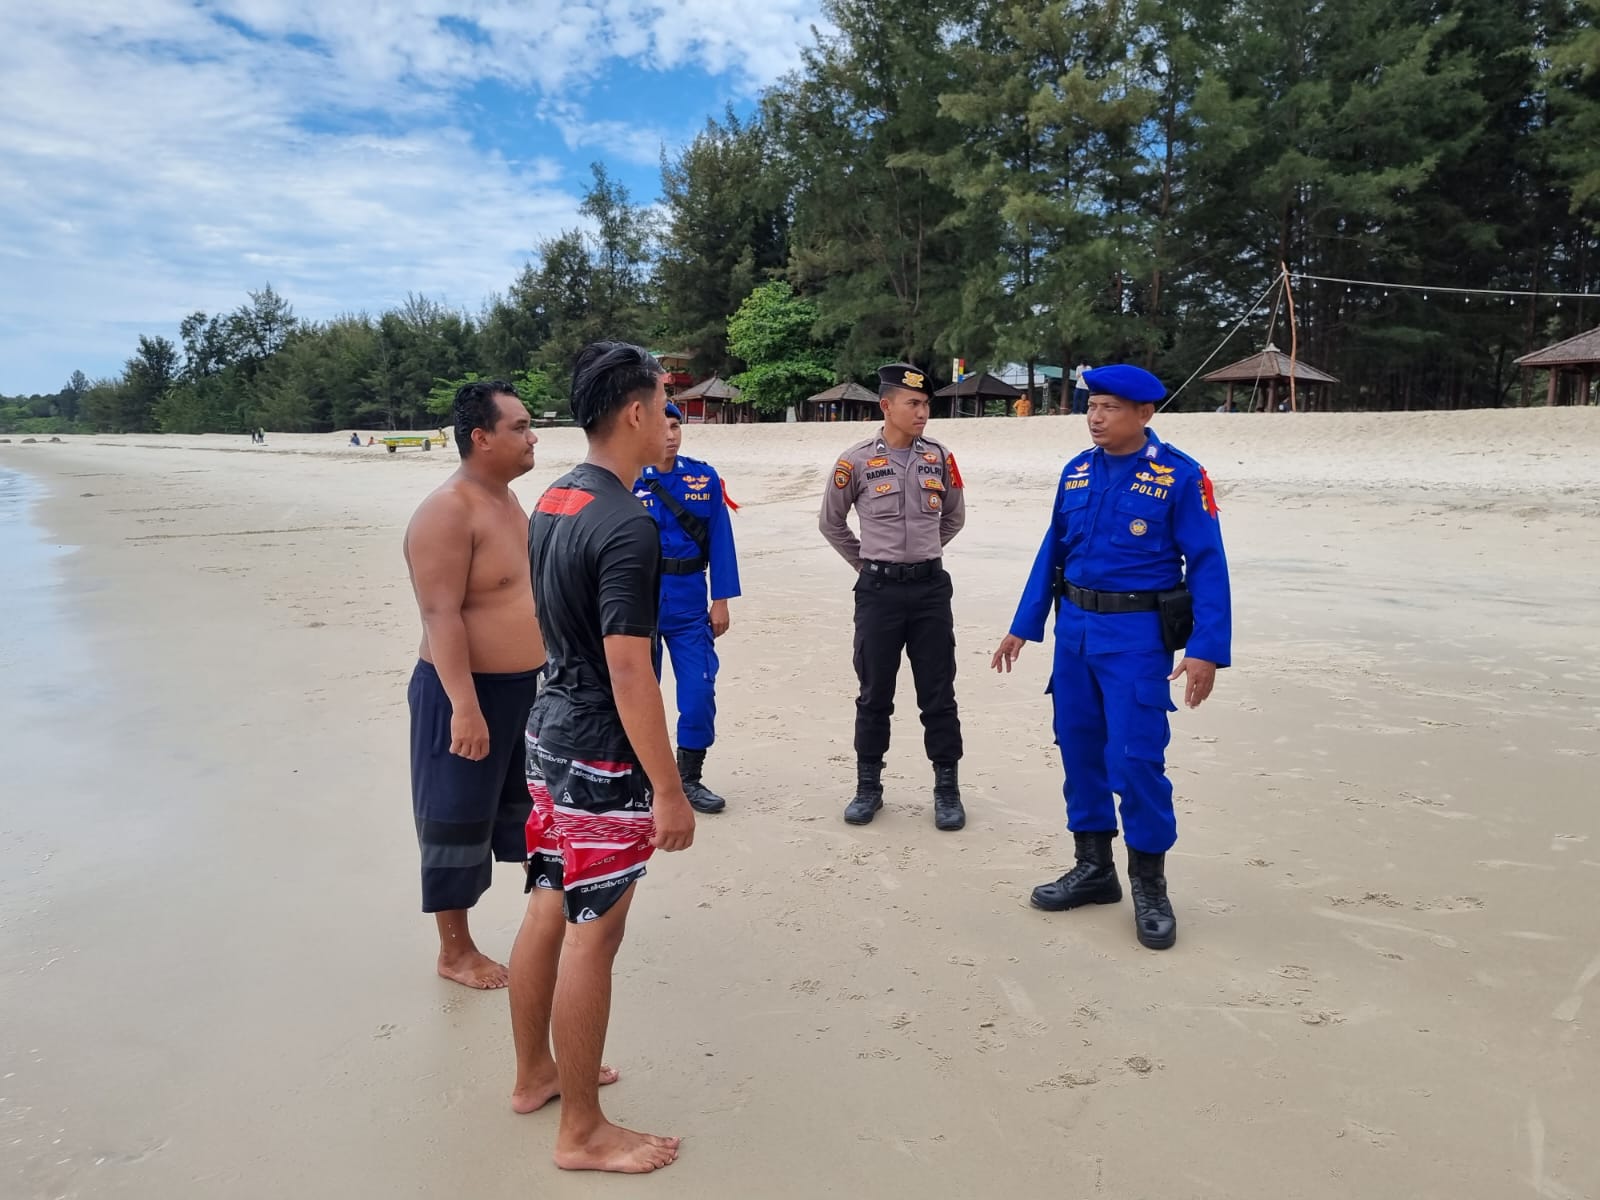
(589, 833)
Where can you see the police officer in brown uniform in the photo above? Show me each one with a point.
(909, 503)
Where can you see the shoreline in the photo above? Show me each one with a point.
(1377, 985)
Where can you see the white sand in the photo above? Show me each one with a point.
(214, 979)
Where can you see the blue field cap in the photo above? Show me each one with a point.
(673, 411)
(1129, 382)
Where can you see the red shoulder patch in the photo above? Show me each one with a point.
(564, 502)
(1208, 496)
(727, 499)
(955, 472)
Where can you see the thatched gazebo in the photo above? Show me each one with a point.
(1577, 356)
(1273, 368)
(978, 388)
(847, 401)
(712, 402)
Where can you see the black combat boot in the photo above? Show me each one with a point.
(1092, 881)
(1152, 913)
(869, 793)
(701, 798)
(947, 811)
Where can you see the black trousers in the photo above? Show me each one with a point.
(914, 618)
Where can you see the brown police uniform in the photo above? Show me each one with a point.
(909, 503)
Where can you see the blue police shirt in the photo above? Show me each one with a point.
(698, 487)
(1145, 526)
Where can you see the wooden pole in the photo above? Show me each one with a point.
(1294, 337)
(1550, 396)
(1230, 398)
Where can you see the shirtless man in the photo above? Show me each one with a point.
(606, 792)
(478, 671)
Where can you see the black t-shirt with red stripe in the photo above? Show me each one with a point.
(596, 561)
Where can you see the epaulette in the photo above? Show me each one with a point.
(1169, 448)
(697, 462)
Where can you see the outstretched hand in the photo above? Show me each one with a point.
(1202, 678)
(1008, 653)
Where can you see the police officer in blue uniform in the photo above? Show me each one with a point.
(687, 499)
(1134, 566)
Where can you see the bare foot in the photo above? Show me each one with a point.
(475, 970)
(613, 1148)
(539, 1093)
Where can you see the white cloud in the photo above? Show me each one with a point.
(161, 157)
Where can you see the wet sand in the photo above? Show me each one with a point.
(215, 980)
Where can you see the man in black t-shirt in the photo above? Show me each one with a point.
(598, 747)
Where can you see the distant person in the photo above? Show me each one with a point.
(355, 438)
(1080, 389)
(477, 671)
(1134, 570)
(605, 791)
(686, 498)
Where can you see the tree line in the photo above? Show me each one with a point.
(1016, 181)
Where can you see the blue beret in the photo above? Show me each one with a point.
(1128, 382)
(674, 411)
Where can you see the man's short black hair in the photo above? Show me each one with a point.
(476, 409)
(605, 376)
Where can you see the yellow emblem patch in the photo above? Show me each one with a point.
(933, 484)
(1082, 468)
(1138, 528)
(930, 456)
(915, 379)
(882, 488)
(934, 504)
(881, 461)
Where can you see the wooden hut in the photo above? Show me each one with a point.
(1576, 358)
(677, 365)
(969, 396)
(843, 402)
(1271, 370)
(712, 402)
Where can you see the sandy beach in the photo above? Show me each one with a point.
(215, 980)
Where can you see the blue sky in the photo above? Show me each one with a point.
(166, 156)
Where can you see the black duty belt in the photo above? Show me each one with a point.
(1111, 602)
(682, 566)
(902, 572)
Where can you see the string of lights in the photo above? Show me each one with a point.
(1426, 289)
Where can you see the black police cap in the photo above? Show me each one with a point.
(904, 375)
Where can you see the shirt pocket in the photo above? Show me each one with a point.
(933, 496)
(1142, 524)
(883, 497)
(1074, 509)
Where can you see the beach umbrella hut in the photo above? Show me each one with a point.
(977, 389)
(1273, 369)
(847, 401)
(1576, 358)
(711, 402)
